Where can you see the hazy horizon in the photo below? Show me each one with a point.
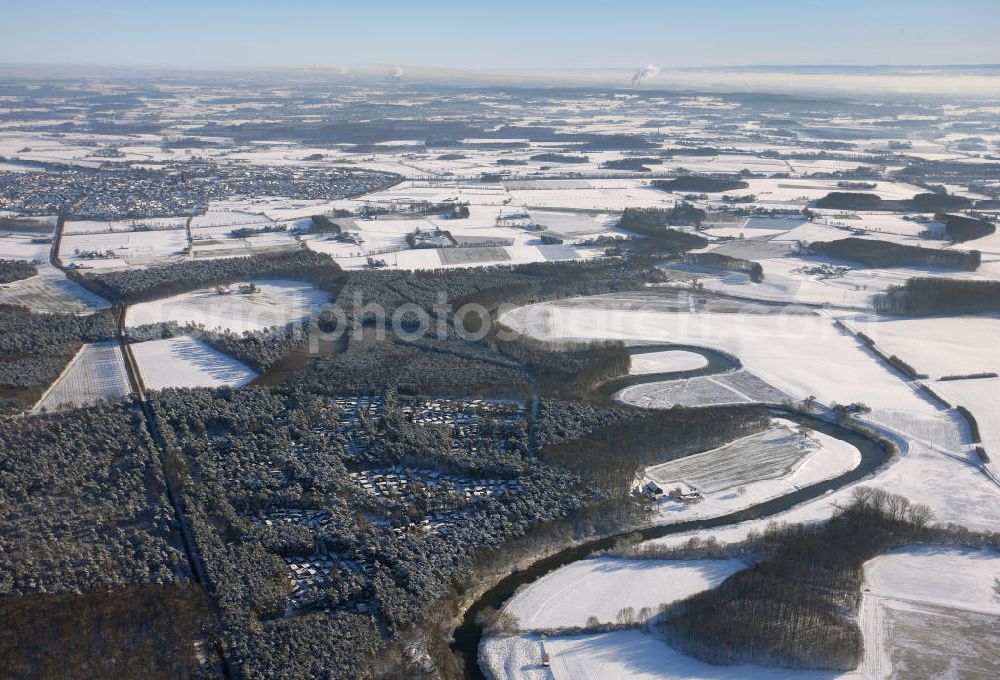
(515, 36)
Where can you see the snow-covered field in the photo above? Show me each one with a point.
(802, 354)
(668, 361)
(76, 227)
(738, 387)
(123, 248)
(931, 611)
(51, 292)
(277, 302)
(184, 361)
(937, 346)
(751, 470)
(982, 398)
(21, 246)
(779, 452)
(617, 656)
(96, 372)
(601, 586)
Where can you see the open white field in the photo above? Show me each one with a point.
(76, 227)
(277, 302)
(24, 246)
(982, 398)
(51, 292)
(96, 372)
(601, 586)
(800, 190)
(738, 387)
(123, 249)
(667, 361)
(184, 361)
(751, 470)
(931, 611)
(805, 280)
(772, 454)
(599, 195)
(800, 354)
(616, 656)
(937, 346)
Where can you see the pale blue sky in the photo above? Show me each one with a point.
(512, 34)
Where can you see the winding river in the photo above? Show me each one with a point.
(874, 454)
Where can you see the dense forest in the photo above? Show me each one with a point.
(83, 503)
(876, 253)
(798, 607)
(242, 456)
(151, 630)
(15, 270)
(634, 163)
(929, 296)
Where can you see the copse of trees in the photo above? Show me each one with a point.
(139, 285)
(635, 163)
(961, 228)
(248, 232)
(926, 202)
(559, 158)
(651, 221)
(928, 296)
(876, 253)
(727, 262)
(15, 270)
(798, 607)
(700, 184)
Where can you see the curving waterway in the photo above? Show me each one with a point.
(874, 454)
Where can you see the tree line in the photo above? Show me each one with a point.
(877, 253)
(930, 296)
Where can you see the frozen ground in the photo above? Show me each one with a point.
(668, 361)
(184, 361)
(601, 586)
(96, 372)
(51, 292)
(773, 454)
(751, 470)
(277, 302)
(20, 246)
(937, 346)
(738, 387)
(931, 611)
(982, 398)
(800, 354)
(124, 248)
(616, 656)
